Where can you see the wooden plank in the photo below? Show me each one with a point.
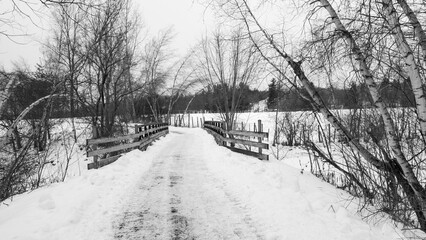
(240, 133)
(103, 162)
(248, 143)
(112, 149)
(244, 142)
(214, 133)
(120, 138)
(155, 129)
(151, 138)
(239, 141)
(212, 122)
(250, 153)
(249, 134)
(147, 142)
(150, 124)
(214, 127)
(211, 127)
(112, 139)
(161, 130)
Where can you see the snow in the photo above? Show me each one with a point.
(187, 185)
(79, 208)
(299, 206)
(260, 106)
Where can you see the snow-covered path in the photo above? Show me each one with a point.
(178, 198)
(186, 187)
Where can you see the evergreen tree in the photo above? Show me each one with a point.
(272, 94)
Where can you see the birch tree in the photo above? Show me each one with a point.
(406, 168)
(406, 52)
(389, 162)
(5, 93)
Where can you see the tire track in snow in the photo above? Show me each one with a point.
(179, 198)
(145, 213)
(180, 224)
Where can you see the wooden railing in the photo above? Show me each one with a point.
(107, 150)
(239, 141)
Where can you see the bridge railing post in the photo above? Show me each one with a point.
(223, 133)
(259, 123)
(94, 136)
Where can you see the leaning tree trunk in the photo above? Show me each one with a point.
(409, 58)
(417, 86)
(415, 23)
(372, 87)
(5, 94)
(23, 114)
(320, 106)
(389, 125)
(314, 96)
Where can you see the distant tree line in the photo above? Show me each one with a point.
(33, 86)
(208, 99)
(394, 93)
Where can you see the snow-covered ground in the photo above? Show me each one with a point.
(186, 186)
(260, 106)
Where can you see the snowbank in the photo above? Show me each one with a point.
(300, 206)
(80, 208)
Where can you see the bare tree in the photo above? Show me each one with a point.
(409, 58)
(228, 62)
(155, 70)
(405, 167)
(91, 57)
(29, 10)
(183, 80)
(66, 53)
(388, 158)
(108, 62)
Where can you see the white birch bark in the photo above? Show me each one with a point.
(414, 21)
(412, 67)
(372, 87)
(22, 115)
(319, 105)
(366, 72)
(314, 97)
(5, 94)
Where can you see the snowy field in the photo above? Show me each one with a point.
(186, 185)
(216, 194)
(305, 124)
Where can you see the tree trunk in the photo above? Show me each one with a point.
(5, 94)
(407, 54)
(418, 29)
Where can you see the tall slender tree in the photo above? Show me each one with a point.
(359, 42)
(225, 63)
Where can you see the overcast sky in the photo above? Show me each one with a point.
(189, 20)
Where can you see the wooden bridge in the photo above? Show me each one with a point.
(239, 141)
(107, 150)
